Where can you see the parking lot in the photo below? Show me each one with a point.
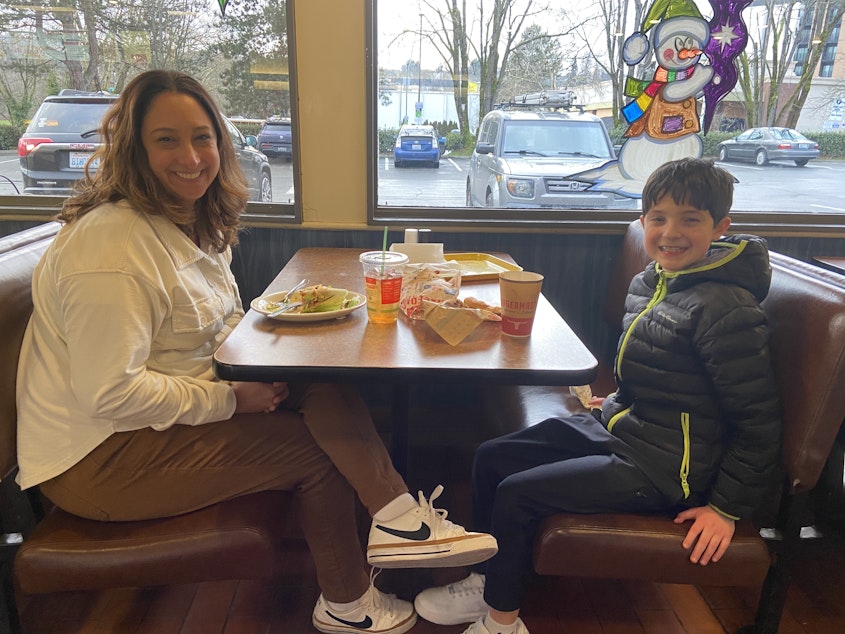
(774, 187)
(777, 186)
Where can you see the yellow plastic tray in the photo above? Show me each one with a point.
(480, 266)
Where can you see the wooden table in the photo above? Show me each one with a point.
(352, 350)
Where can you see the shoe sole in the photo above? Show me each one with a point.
(439, 618)
(429, 555)
(333, 628)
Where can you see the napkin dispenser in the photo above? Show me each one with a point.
(419, 252)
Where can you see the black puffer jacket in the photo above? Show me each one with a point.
(696, 398)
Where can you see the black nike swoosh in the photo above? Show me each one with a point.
(365, 623)
(419, 535)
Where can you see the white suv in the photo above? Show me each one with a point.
(525, 154)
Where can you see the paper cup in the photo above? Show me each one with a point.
(520, 291)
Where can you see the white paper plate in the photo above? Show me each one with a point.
(268, 303)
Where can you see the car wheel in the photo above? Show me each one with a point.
(397, 163)
(488, 199)
(469, 195)
(436, 164)
(723, 154)
(761, 158)
(265, 191)
(801, 162)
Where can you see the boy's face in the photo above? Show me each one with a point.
(679, 235)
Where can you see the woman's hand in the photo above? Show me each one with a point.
(255, 397)
(711, 532)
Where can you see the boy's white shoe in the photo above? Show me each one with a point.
(376, 612)
(424, 538)
(459, 602)
(480, 628)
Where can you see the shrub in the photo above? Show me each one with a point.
(9, 136)
(386, 139)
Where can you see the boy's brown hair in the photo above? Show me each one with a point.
(693, 181)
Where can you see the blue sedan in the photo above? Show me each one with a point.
(416, 144)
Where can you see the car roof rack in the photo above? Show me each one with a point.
(551, 99)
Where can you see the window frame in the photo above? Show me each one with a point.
(44, 208)
(764, 223)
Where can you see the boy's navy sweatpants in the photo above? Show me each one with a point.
(572, 465)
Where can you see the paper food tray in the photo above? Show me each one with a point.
(480, 266)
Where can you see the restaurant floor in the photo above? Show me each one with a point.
(441, 454)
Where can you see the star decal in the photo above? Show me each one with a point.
(725, 35)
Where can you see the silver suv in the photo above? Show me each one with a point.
(528, 148)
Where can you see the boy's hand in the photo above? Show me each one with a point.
(711, 533)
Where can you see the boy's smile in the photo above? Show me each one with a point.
(677, 236)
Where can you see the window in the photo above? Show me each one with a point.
(452, 65)
(63, 64)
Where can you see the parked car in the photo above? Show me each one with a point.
(762, 145)
(60, 139)
(255, 165)
(417, 144)
(276, 138)
(63, 134)
(526, 153)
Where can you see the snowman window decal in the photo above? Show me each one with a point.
(695, 60)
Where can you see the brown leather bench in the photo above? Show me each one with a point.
(806, 313)
(238, 539)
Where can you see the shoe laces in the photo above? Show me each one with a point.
(437, 517)
(376, 600)
(466, 587)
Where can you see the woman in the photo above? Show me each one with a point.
(130, 302)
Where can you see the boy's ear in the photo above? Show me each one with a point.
(721, 227)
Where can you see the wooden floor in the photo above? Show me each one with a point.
(815, 605)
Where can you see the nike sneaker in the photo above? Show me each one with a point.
(375, 612)
(459, 602)
(480, 627)
(424, 538)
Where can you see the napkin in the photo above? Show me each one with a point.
(453, 324)
(420, 253)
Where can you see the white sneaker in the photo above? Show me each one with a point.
(377, 612)
(424, 538)
(479, 628)
(459, 602)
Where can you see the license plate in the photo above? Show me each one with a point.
(416, 146)
(78, 160)
(803, 146)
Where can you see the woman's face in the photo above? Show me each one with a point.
(181, 146)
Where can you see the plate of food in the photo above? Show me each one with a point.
(311, 303)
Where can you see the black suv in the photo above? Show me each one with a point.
(276, 138)
(63, 135)
(60, 139)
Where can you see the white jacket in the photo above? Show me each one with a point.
(127, 314)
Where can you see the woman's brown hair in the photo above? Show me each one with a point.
(124, 171)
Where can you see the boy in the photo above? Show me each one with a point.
(693, 427)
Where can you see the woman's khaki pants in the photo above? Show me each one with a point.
(320, 444)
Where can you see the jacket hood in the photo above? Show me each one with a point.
(741, 260)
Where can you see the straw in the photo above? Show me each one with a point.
(383, 251)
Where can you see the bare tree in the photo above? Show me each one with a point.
(602, 35)
(775, 32)
(490, 35)
(824, 18)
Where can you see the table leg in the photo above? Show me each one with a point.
(400, 411)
